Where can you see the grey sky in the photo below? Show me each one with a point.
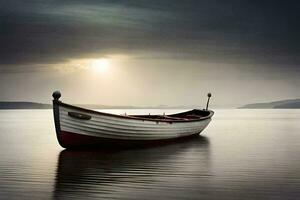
(243, 51)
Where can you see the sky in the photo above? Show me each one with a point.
(148, 53)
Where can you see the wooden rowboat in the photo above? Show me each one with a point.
(80, 127)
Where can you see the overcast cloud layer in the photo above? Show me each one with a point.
(243, 51)
(43, 32)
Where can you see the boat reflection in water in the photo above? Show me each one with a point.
(152, 172)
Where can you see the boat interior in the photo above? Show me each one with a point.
(191, 115)
(188, 115)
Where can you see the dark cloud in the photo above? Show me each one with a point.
(41, 32)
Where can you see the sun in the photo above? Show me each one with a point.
(100, 65)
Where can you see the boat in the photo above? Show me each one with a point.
(78, 127)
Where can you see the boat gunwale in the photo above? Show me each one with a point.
(136, 117)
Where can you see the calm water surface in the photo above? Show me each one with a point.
(243, 154)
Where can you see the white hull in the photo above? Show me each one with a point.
(130, 129)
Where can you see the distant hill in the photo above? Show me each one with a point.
(23, 105)
(289, 105)
(284, 104)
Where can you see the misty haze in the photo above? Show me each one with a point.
(214, 85)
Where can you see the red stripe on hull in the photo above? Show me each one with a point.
(74, 140)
